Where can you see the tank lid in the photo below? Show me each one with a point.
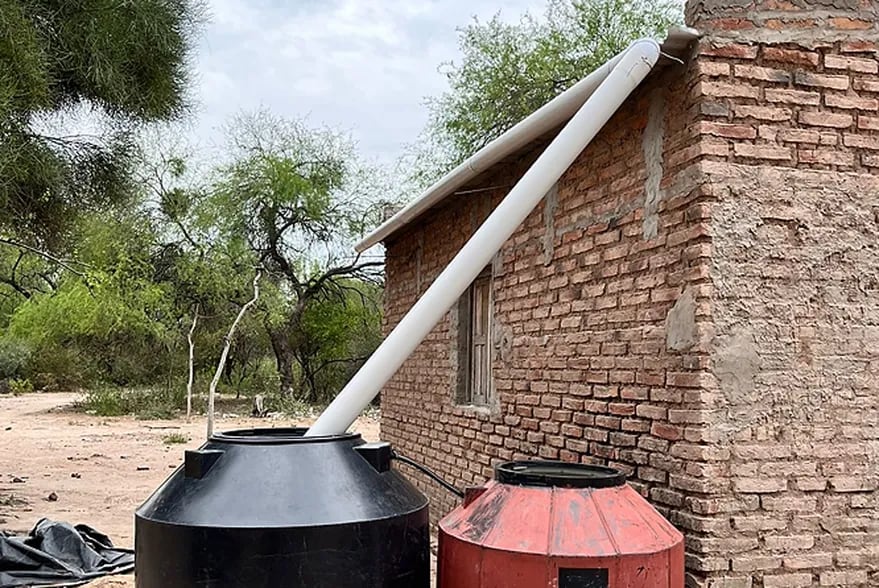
(275, 436)
(558, 474)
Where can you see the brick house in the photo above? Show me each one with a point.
(696, 303)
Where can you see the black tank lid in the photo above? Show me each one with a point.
(276, 435)
(558, 474)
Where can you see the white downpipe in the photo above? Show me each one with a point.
(632, 68)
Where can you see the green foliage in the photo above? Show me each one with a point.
(338, 336)
(18, 387)
(126, 61)
(175, 439)
(24, 76)
(509, 70)
(24, 274)
(14, 358)
(83, 332)
(46, 182)
(292, 200)
(293, 406)
(291, 193)
(146, 403)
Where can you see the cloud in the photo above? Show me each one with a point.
(364, 66)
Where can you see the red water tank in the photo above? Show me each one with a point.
(558, 525)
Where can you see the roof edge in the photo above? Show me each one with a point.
(545, 118)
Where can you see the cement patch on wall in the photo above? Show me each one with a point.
(652, 148)
(680, 323)
(795, 305)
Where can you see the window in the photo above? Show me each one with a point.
(474, 342)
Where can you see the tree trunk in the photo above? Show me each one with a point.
(283, 358)
(191, 364)
(309, 378)
(212, 389)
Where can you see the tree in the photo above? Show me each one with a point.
(208, 273)
(227, 344)
(507, 71)
(122, 63)
(297, 199)
(338, 336)
(108, 323)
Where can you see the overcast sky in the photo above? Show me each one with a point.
(364, 66)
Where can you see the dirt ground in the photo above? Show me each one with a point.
(98, 469)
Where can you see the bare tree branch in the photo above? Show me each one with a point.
(212, 391)
(15, 286)
(64, 263)
(330, 362)
(12, 282)
(189, 382)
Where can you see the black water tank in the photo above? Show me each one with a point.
(270, 508)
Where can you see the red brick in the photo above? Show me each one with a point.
(765, 74)
(727, 130)
(851, 102)
(768, 132)
(850, 24)
(857, 64)
(826, 157)
(844, 578)
(760, 496)
(733, 50)
(870, 123)
(787, 581)
(829, 138)
(790, 56)
(799, 136)
(803, 78)
(811, 560)
(867, 85)
(762, 112)
(859, 46)
(826, 119)
(760, 485)
(787, 24)
(732, 24)
(870, 160)
(793, 97)
(713, 68)
(728, 90)
(668, 432)
(768, 152)
(863, 141)
(651, 411)
(853, 484)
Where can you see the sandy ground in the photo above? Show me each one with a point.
(99, 469)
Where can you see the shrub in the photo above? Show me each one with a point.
(175, 439)
(20, 386)
(145, 403)
(14, 358)
(261, 380)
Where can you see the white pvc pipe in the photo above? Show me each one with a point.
(632, 68)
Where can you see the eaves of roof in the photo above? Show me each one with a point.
(544, 119)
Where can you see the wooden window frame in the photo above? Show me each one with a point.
(475, 310)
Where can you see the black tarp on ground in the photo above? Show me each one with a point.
(58, 554)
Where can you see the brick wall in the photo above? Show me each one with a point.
(793, 394)
(584, 366)
(697, 304)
